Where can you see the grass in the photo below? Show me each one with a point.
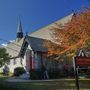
(60, 84)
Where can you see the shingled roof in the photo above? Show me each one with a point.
(37, 44)
(13, 48)
(45, 32)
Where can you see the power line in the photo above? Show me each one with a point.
(10, 42)
(12, 49)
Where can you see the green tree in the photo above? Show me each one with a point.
(4, 57)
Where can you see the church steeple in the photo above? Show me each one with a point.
(19, 30)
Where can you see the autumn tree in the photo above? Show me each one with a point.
(71, 37)
(4, 57)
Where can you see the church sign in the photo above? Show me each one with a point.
(82, 61)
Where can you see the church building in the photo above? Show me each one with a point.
(29, 52)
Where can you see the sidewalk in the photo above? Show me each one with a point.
(47, 80)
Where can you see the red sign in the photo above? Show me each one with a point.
(82, 61)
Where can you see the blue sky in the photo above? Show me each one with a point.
(34, 14)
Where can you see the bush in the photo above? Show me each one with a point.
(19, 71)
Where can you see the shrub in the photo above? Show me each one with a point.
(19, 71)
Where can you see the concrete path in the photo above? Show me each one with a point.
(13, 79)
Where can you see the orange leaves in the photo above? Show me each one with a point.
(74, 34)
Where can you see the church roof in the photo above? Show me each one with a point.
(37, 44)
(45, 33)
(13, 48)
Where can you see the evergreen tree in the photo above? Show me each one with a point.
(4, 57)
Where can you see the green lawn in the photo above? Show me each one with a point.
(62, 84)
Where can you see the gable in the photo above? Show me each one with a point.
(35, 44)
(45, 33)
(13, 48)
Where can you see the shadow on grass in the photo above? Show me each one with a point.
(60, 84)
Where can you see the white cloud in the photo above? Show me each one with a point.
(12, 40)
(4, 44)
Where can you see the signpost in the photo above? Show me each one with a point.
(80, 62)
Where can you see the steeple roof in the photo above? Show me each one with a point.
(19, 29)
